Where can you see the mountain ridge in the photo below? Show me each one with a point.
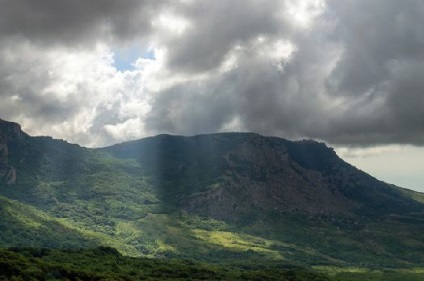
(306, 156)
(213, 197)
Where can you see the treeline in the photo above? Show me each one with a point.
(105, 263)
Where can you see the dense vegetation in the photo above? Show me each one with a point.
(106, 263)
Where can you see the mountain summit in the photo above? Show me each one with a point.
(216, 197)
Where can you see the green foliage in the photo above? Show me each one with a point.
(22, 225)
(359, 274)
(105, 263)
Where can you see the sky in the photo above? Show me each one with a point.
(349, 73)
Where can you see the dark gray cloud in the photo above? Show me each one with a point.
(257, 95)
(198, 112)
(354, 79)
(375, 34)
(215, 27)
(379, 72)
(263, 93)
(75, 21)
(22, 89)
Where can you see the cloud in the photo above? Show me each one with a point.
(216, 28)
(258, 76)
(75, 21)
(346, 72)
(68, 95)
(377, 75)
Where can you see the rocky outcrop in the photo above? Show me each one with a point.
(11, 136)
(11, 131)
(262, 177)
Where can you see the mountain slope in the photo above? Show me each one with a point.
(225, 174)
(22, 225)
(217, 198)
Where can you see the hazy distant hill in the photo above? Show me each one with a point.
(220, 198)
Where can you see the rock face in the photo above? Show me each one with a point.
(262, 176)
(4, 161)
(11, 150)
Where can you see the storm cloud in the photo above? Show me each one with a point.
(75, 21)
(346, 72)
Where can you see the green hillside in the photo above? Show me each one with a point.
(228, 199)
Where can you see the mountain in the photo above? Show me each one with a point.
(227, 176)
(235, 198)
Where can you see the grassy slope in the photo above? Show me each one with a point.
(22, 225)
(155, 235)
(180, 235)
(359, 274)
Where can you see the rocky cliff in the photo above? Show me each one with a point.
(11, 150)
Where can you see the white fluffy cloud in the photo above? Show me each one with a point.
(73, 94)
